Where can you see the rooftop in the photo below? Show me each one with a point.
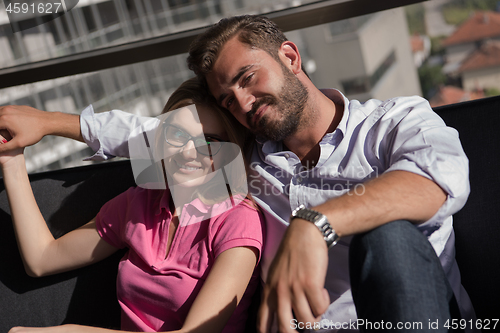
(449, 95)
(488, 55)
(480, 26)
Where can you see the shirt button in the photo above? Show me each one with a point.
(287, 156)
(299, 180)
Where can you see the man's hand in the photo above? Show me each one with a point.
(296, 279)
(27, 125)
(6, 156)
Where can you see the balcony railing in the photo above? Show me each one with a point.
(177, 43)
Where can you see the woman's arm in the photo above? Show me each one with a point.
(222, 291)
(69, 328)
(41, 253)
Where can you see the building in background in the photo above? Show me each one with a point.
(481, 69)
(469, 37)
(365, 57)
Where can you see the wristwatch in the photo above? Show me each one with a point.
(319, 220)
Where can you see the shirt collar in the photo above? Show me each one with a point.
(217, 207)
(197, 204)
(164, 202)
(334, 95)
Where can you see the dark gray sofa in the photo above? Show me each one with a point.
(87, 296)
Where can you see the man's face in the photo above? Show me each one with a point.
(261, 92)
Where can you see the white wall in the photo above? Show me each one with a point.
(388, 32)
(480, 79)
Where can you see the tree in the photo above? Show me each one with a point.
(431, 77)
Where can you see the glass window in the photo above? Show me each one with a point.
(143, 88)
(94, 24)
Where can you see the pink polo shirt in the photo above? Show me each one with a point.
(155, 293)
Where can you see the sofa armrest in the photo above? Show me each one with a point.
(67, 199)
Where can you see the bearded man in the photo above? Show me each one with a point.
(358, 197)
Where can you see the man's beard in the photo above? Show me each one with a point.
(288, 107)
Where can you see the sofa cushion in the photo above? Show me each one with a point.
(477, 225)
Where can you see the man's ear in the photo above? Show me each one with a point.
(290, 56)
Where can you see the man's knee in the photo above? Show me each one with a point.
(393, 239)
(396, 274)
(397, 248)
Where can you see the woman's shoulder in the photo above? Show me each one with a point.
(242, 225)
(242, 211)
(238, 205)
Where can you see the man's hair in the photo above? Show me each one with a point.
(256, 31)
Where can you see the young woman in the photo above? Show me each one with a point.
(180, 273)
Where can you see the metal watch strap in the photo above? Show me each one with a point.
(320, 221)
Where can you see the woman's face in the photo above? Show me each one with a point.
(191, 147)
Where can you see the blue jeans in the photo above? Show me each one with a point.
(397, 280)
